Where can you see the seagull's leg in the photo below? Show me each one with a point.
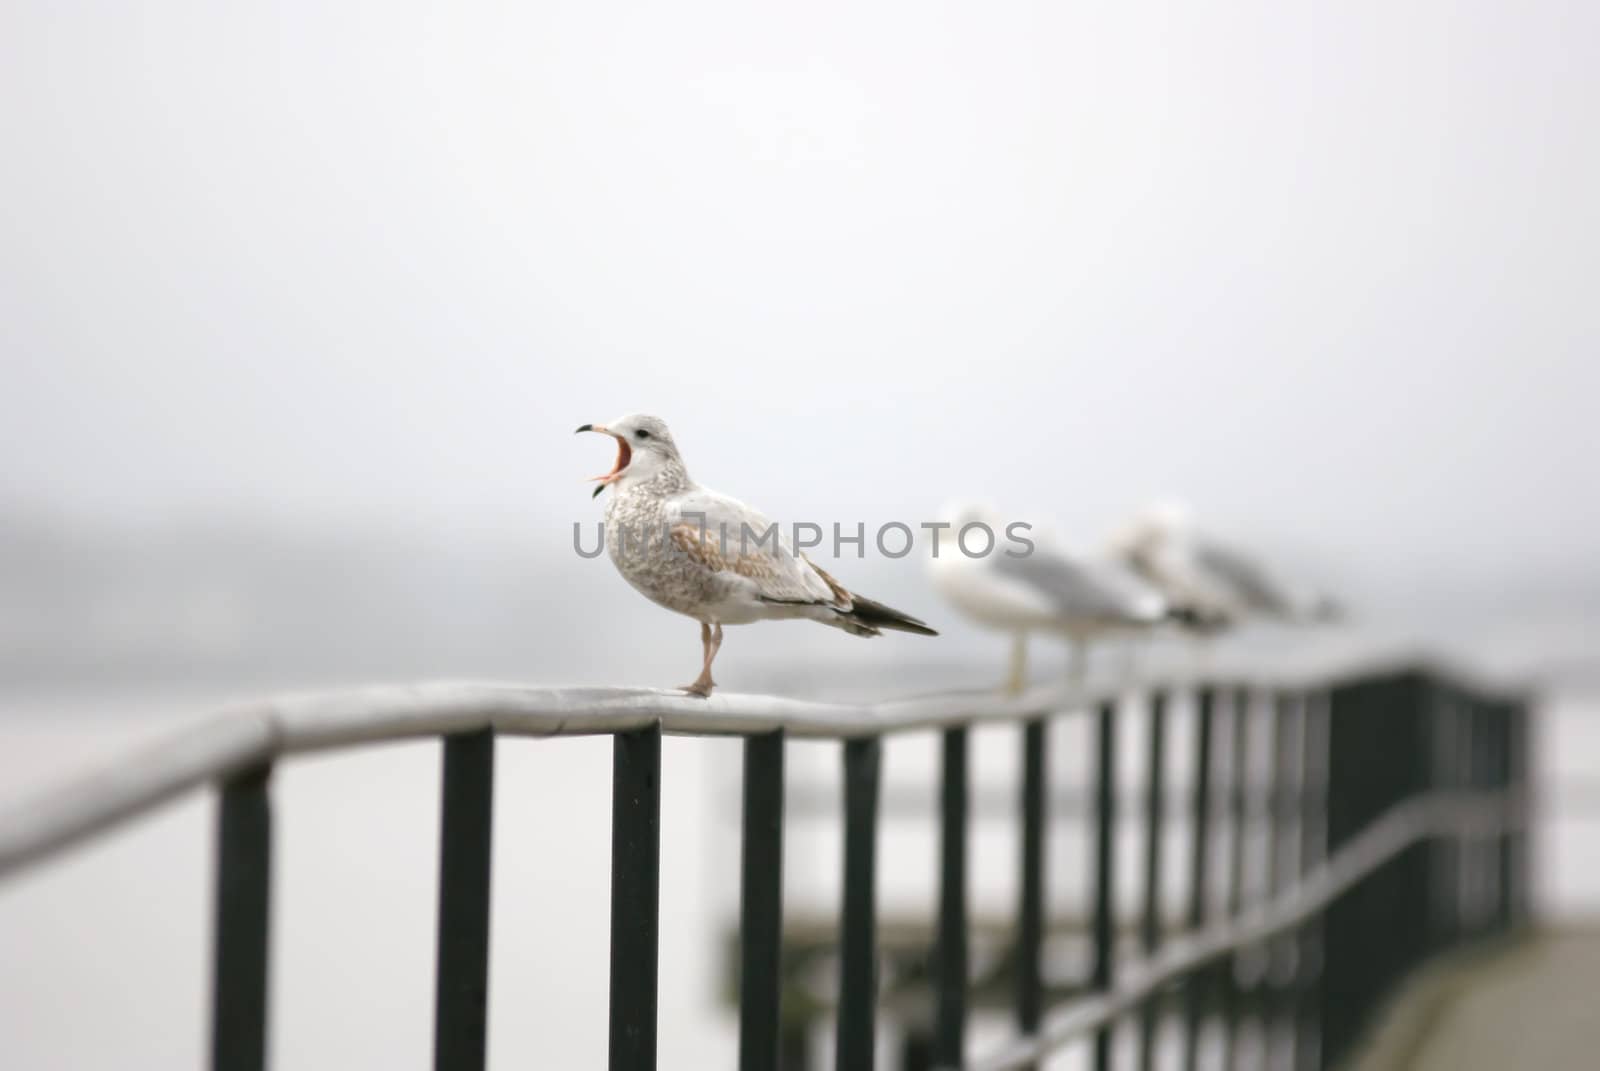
(702, 684)
(710, 643)
(711, 654)
(1018, 678)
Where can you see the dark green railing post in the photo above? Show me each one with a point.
(242, 917)
(1508, 845)
(761, 906)
(1378, 756)
(858, 929)
(461, 988)
(1444, 853)
(1105, 904)
(1280, 815)
(1483, 871)
(1030, 907)
(1155, 805)
(1313, 811)
(635, 897)
(1238, 818)
(950, 957)
(1199, 873)
(1517, 861)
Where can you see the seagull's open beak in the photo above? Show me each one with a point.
(624, 455)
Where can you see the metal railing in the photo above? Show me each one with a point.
(1404, 790)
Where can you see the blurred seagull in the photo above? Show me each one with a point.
(1047, 590)
(1215, 584)
(711, 557)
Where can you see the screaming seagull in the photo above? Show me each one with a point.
(711, 557)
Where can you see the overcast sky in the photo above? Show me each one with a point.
(1327, 271)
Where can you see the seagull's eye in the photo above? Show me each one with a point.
(641, 434)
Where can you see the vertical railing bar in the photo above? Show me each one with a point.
(1443, 851)
(1500, 781)
(242, 910)
(761, 905)
(635, 897)
(1416, 869)
(1280, 755)
(1461, 766)
(858, 940)
(1314, 714)
(1280, 743)
(950, 961)
(1353, 945)
(1519, 742)
(466, 820)
(1199, 871)
(1030, 908)
(1105, 929)
(1466, 761)
(1154, 812)
(1303, 1004)
(1238, 834)
(1482, 780)
(1490, 782)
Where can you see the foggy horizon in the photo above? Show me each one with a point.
(255, 267)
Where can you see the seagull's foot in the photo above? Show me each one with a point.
(700, 689)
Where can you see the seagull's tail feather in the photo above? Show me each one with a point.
(865, 617)
(875, 615)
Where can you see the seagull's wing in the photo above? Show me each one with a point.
(725, 535)
(1247, 580)
(1084, 590)
(1172, 568)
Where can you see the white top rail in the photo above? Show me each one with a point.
(255, 733)
(252, 734)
